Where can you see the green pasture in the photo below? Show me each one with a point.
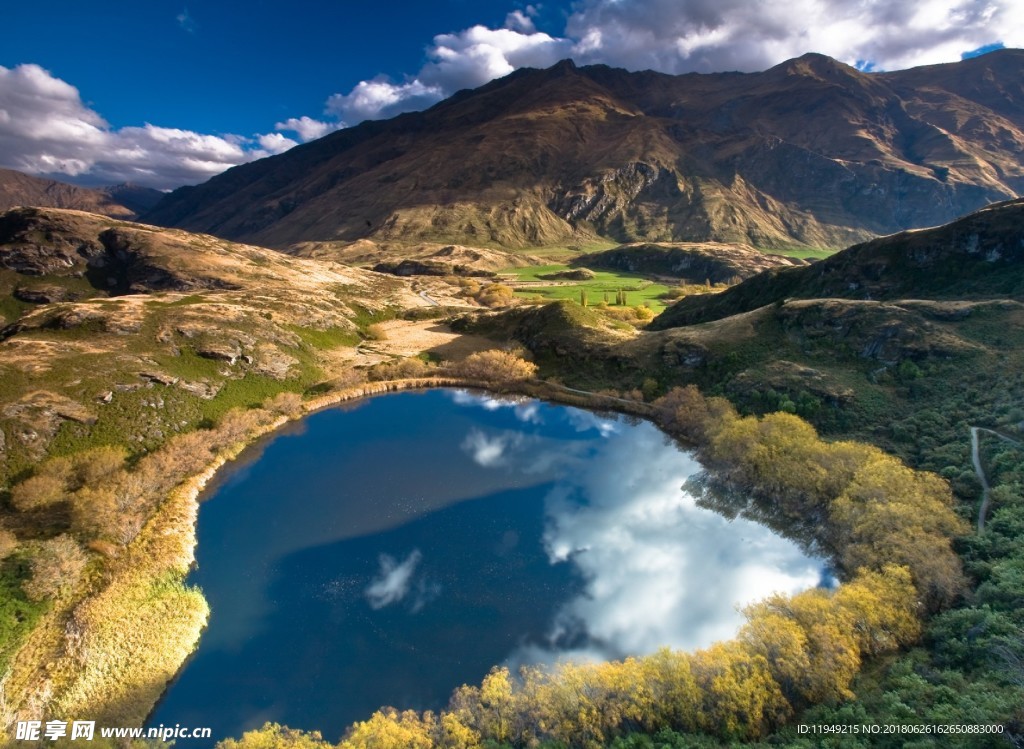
(638, 290)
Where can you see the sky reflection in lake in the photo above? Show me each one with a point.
(387, 553)
(659, 570)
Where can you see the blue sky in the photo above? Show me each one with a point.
(166, 93)
(226, 67)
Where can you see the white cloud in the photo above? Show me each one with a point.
(306, 127)
(676, 36)
(520, 21)
(274, 143)
(380, 98)
(45, 128)
(465, 59)
(393, 582)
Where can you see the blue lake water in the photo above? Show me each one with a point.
(388, 552)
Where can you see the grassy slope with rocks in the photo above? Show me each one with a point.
(977, 256)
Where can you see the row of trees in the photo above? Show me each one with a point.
(791, 653)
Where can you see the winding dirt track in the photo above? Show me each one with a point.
(986, 490)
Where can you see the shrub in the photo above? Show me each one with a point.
(401, 369)
(37, 491)
(496, 366)
(99, 465)
(8, 543)
(56, 567)
(286, 404)
(495, 295)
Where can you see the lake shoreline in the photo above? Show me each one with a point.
(145, 653)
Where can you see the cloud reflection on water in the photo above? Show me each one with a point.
(392, 583)
(659, 570)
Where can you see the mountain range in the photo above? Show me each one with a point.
(118, 201)
(811, 152)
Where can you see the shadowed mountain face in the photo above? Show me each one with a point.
(811, 152)
(710, 262)
(118, 201)
(980, 256)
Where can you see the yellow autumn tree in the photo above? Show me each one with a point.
(739, 697)
(674, 692)
(883, 608)
(833, 654)
(274, 736)
(390, 729)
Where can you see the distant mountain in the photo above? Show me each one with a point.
(811, 152)
(119, 201)
(979, 256)
(135, 198)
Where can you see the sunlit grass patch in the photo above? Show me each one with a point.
(603, 287)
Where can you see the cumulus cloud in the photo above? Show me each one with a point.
(380, 99)
(659, 570)
(465, 59)
(394, 580)
(676, 36)
(307, 128)
(274, 143)
(45, 128)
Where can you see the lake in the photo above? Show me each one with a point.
(387, 552)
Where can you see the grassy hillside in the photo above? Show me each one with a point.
(978, 256)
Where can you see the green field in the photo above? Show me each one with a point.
(638, 290)
(804, 253)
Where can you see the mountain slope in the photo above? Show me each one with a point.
(979, 256)
(119, 201)
(710, 262)
(811, 152)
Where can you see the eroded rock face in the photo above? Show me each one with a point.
(35, 244)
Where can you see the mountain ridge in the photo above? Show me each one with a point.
(117, 201)
(811, 152)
